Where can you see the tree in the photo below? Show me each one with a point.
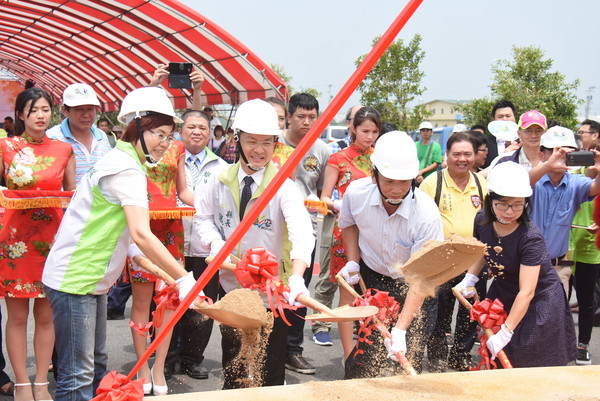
(279, 70)
(395, 82)
(529, 82)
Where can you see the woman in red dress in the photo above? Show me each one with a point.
(30, 161)
(166, 180)
(352, 163)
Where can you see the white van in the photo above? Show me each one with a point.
(334, 133)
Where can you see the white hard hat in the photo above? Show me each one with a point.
(79, 95)
(558, 136)
(146, 100)
(256, 117)
(459, 128)
(395, 156)
(509, 179)
(425, 125)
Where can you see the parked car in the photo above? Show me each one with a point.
(334, 133)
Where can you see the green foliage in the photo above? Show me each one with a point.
(395, 82)
(279, 70)
(529, 82)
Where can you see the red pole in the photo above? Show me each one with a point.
(313, 135)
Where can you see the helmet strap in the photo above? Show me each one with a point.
(138, 124)
(393, 202)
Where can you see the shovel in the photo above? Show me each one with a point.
(437, 262)
(488, 332)
(214, 312)
(301, 298)
(406, 365)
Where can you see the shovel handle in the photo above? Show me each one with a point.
(226, 265)
(152, 268)
(406, 365)
(488, 332)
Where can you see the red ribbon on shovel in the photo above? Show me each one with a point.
(490, 315)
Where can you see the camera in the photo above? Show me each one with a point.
(580, 158)
(179, 75)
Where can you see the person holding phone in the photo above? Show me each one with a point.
(162, 72)
(558, 195)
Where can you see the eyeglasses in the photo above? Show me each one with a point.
(484, 149)
(586, 132)
(253, 144)
(163, 137)
(503, 207)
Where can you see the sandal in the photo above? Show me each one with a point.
(40, 384)
(7, 389)
(21, 385)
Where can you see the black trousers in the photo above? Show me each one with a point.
(295, 336)
(373, 361)
(586, 276)
(465, 332)
(273, 370)
(192, 333)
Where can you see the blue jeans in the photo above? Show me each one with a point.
(80, 329)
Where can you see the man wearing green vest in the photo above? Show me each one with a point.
(221, 207)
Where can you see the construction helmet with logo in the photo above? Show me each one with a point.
(256, 117)
(509, 179)
(147, 100)
(395, 156)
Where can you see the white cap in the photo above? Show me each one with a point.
(459, 128)
(79, 95)
(504, 130)
(144, 101)
(395, 156)
(509, 179)
(425, 125)
(256, 117)
(558, 136)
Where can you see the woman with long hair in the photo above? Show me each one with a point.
(32, 165)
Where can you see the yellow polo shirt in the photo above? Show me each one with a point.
(458, 208)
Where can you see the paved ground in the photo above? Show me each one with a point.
(327, 360)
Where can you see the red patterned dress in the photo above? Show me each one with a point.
(352, 164)
(29, 223)
(165, 217)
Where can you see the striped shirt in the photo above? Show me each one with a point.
(84, 160)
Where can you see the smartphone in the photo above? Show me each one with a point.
(179, 75)
(580, 158)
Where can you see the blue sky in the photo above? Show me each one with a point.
(318, 41)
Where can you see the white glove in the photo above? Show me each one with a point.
(346, 272)
(297, 287)
(337, 204)
(132, 252)
(185, 284)
(396, 344)
(469, 281)
(215, 247)
(498, 341)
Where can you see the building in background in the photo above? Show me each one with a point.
(444, 112)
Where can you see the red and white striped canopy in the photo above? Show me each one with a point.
(115, 46)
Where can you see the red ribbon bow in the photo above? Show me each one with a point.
(258, 269)
(388, 312)
(491, 315)
(116, 387)
(166, 298)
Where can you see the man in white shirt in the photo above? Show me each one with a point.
(384, 220)
(192, 333)
(221, 207)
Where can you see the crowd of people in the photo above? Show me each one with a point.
(386, 196)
